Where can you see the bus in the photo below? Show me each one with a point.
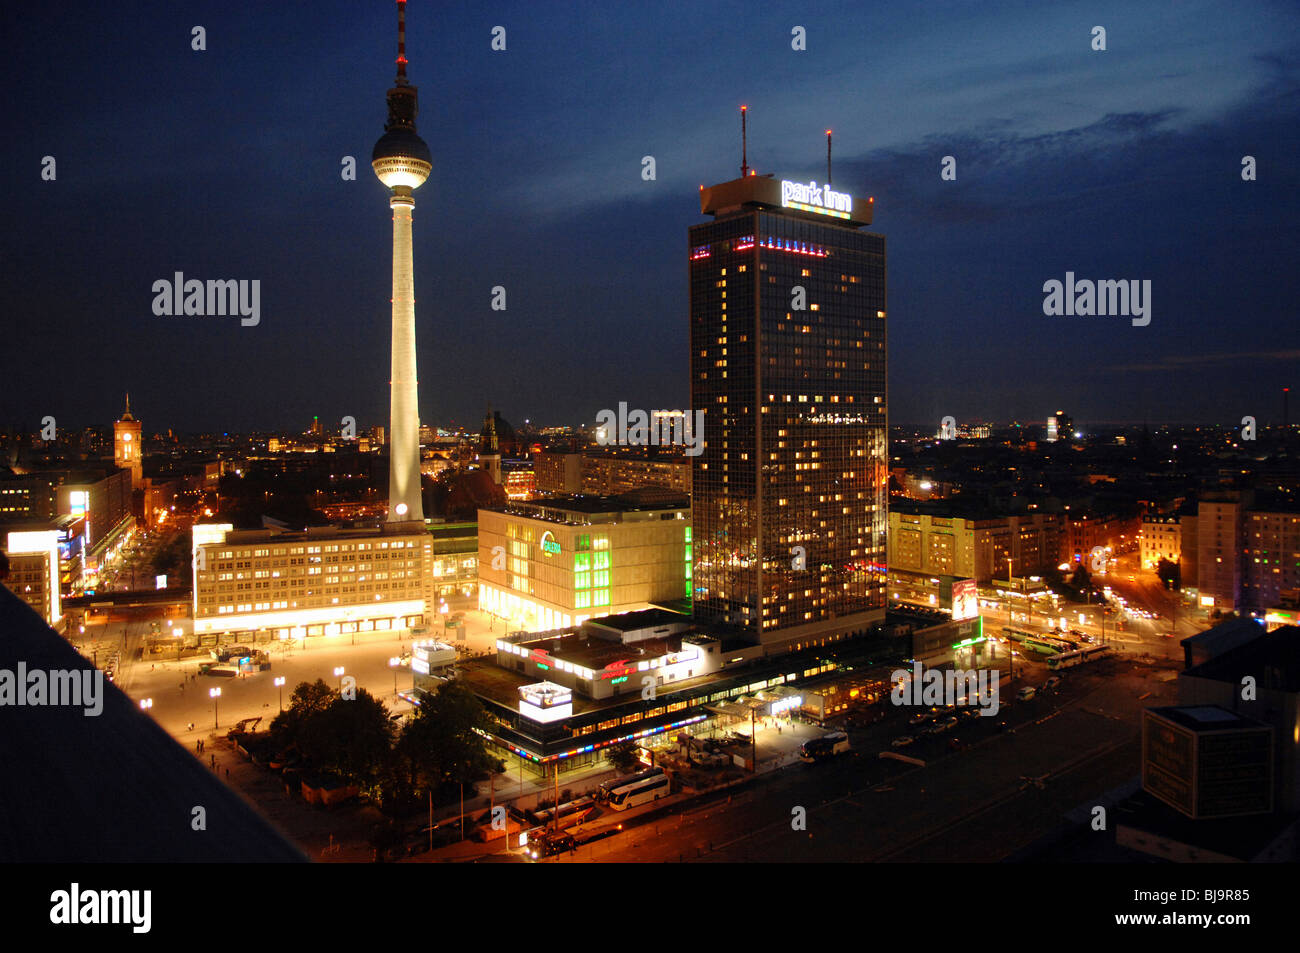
(571, 814)
(1045, 645)
(1044, 642)
(638, 793)
(827, 746)
(603, 793)
(1089, 653)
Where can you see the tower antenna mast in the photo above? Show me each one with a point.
(828, 157)
(401, 42)
(744, 143)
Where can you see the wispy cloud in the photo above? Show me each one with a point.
(1184, 362)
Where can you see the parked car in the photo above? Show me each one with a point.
(1026, 693)
(1052, 682)
(901, 741)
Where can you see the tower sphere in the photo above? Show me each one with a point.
(401, 159)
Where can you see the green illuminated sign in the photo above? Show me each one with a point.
(550, 546)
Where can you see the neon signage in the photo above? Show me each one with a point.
(815, 198)
(550, 546)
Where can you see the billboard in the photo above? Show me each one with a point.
(965, 600)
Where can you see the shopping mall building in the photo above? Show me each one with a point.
(552, 563)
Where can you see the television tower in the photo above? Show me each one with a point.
(403, 162)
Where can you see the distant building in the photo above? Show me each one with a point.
(1247, 555)
(34, 571)
(1161, 538)
(611, 473)
(521, 483)
(558, 472)
(930, 548)
(1060, 426)
(128, 451)
(489, 450)
(1119, 532)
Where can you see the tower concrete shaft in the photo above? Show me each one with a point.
(404, 500)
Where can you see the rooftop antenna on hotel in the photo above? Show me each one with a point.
(744, 143)
(828, 157)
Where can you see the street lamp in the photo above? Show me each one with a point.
(393, 663)
(215, 695)
(338, 673)
(146, 703)
(1011, 656)
(279, 683)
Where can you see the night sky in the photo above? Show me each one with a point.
(1123, 164)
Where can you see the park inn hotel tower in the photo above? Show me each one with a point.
(265, 584)
(787, 358)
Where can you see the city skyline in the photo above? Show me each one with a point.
(1100, 164)
(950, 511)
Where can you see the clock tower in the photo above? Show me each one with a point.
(127, 452)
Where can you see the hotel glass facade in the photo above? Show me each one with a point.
(790, 492)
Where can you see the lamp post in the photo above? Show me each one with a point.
(338, 673)
(215, 695)
(1011, 657)
(394, 663)
(279, 684)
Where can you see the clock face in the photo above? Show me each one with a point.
(126, 437)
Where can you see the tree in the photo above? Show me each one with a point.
(623, 755)
(308, 699)
(353, 738)
(441, 744)
(1170, 573)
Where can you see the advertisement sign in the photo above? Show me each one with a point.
(965, 600)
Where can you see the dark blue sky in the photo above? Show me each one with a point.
(225, 164)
